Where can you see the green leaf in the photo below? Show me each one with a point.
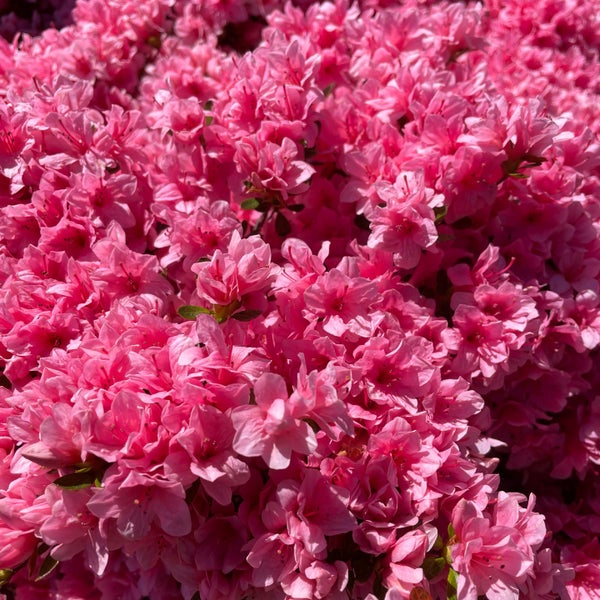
(222, 312)
(154, 41)
(282, 225)
(451, 585)
(440, 212)
(432, 566)
(329, 90)
(76, 481)
(5, 575)
(208, 120)
(250, 204)
(47, 567)
(447, 552)
(208, 105)
(246, 315)
(190, 312)
(295, 207)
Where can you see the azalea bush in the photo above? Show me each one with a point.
(299, 300)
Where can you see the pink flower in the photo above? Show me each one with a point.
(72, 529)
(245, 269)
(585, 562)
(492, 556)
(272, 429)
(207, 440)
(404, 560)
(403, 223)
(272, 168)
(341, 302)
(137, 503)
(481, 344)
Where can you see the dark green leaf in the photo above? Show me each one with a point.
(76, 481)
(47, 567)
(246, 315)
(440, 212)
(190, 312)
(432, 566)
(113, 168)
(154, 41)
(208, 120)
(295, 207)
(282, 225)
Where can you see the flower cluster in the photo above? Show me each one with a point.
(300, 300)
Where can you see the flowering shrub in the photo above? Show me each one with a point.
(300, 300)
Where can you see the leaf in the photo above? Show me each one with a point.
(440, 212)
(433, 566)
(154, 41)
(295, 207)
(451, 585)
(208, 120)
(250, 204)
(246, 315)
(222, 312)
(190, 312)
(419, 593)
(76, 481)
(282, 225)
(47, 567)
(447, 552)
(5, 575)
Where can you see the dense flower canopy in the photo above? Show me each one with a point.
(300, 300)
